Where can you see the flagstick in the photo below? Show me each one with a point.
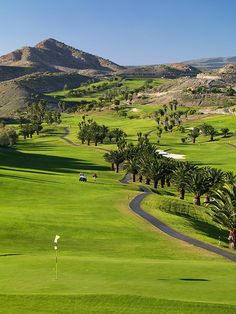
(57, 237)
(56, 264)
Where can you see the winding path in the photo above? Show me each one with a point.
(135, 205)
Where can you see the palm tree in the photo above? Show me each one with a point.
(118, 134)
(194, 133)
(223, 206)
(154, 170)
(181, 176)
(132, 166)
(115, 157)
(212, 132)
(108, 158)
(225, 132)
(216, 179)
(230, 177)
(198, 183)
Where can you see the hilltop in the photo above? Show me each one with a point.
(54, 56)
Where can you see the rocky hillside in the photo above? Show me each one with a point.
(167, 71)
(206, 89)
(17, 93)
(53, 56)
(9, 73)
(211, 63)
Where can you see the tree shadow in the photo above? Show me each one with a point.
(194, 279)
(17, 177)
(10, 254)
(204, 227)
(11, 158)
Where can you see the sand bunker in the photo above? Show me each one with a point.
(169, 155)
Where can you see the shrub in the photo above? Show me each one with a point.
(8, 136)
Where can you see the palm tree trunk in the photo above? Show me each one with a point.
(168, 182)
(197, 200)
(112, 167)
(134, 177)
(207, 199)
(181, 193)
(163, 182)
(140, 179)
(117, 168)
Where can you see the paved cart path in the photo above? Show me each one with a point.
(135, 205)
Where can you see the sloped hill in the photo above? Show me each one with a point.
(16, 94)
(52, 55)
(10, 72)
(204, 90)
(167, 71)
(211, 63)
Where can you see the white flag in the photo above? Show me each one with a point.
(57, 237)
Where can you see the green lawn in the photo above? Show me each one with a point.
(92, 95)
(185, 217)
(110, 260)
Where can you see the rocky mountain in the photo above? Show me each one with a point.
(54, 56)
(211, 63)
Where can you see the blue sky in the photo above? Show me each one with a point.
(128, 32)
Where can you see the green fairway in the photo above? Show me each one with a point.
(92, 91)
(110, 260)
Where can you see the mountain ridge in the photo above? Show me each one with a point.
(55, 56)
(211, 63)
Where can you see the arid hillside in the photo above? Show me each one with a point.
(52, 55)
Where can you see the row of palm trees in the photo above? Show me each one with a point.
(145, 163)
(91, 131)
(207, 130)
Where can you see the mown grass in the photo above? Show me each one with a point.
(92, 95)
(110, 260)
(185, 217)
(106, 304)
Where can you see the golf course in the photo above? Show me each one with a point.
(110, 260)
